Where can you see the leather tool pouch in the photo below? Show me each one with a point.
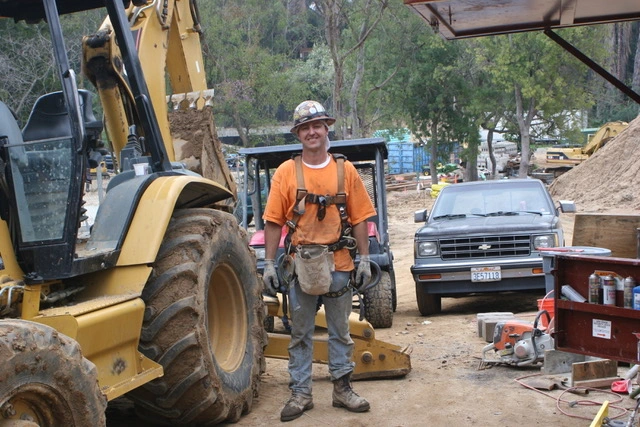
(313, 267)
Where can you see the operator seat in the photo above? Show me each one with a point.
(49, 117)
(9, 128)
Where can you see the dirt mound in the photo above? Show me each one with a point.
(608, 180)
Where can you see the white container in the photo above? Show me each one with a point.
(140, 168)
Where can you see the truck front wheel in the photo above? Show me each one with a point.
(203, 323)
(428, 303)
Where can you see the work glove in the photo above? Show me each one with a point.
(363, 274)
(270, 277)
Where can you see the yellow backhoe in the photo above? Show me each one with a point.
(561, 159)
(161, 301)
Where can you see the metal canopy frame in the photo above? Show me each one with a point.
(458, 19)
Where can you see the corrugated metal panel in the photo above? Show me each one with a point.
(400, 157)
(421, 158)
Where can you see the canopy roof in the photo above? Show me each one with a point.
(33, 10)
(456, 19)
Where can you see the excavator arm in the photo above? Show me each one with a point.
(603, 135)
(167, 37)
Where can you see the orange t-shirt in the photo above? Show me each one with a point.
(323, 181)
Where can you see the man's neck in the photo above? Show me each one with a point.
(314, 157)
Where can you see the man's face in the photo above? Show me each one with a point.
(313, 135)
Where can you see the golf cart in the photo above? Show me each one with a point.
(367, 155)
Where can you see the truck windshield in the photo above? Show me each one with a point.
(492, 200)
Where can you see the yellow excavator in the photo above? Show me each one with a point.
(161, 302)
(561, 159)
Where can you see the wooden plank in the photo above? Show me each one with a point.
(596, 383)
(618, 233)
(594, 370)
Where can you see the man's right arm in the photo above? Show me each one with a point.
(271, 241)
(272, 233)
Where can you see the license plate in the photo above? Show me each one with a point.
(485, 274)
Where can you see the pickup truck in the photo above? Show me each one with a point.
(484, 237)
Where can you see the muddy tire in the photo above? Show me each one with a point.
(378, 303)
(428, 303)
(203, 323)
(45, 379)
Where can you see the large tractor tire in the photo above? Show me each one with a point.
(203, 323)
(45, 380)
(378, 303)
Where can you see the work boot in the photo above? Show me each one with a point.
(295, 406)
(345, 397)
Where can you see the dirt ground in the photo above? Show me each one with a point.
(445, 387)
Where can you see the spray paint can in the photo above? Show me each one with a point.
(608, 290)
(594, 289)
(629, 284)
(636, 299)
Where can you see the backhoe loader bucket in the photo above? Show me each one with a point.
(374, 359)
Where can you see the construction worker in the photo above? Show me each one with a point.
(320, 250)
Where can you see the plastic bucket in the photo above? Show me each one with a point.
(549, 305)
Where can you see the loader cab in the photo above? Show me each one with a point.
(43, 184)
(44, 165)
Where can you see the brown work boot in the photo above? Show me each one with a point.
(345, 397)
(295, 406)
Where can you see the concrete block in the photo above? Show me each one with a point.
(480, 317)
(487, 323)
(560, 362)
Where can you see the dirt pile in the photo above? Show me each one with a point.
(609, 180)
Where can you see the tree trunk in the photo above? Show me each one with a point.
(356, 132)
(524, 124)
(330, 10)
(635, 82)
(492, 156)
(433, 149)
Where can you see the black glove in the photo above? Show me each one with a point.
(270, 277)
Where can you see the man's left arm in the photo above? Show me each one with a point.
(363, 273)
(361, 234)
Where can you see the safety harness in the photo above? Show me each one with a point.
(340, 200)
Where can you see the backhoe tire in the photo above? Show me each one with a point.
(378, 303)
(203, 323)
(45, 379)
(428, 303)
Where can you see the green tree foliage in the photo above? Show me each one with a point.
(375, 64)
(433, 89)
(246, 57)
(26, 59)
(547, 85)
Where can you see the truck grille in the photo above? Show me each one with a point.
(485, 247)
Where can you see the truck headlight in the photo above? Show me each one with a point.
(545, 241)
(426, 249)
(260, 253)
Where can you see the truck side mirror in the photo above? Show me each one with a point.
(421, 215)
(567, 206)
